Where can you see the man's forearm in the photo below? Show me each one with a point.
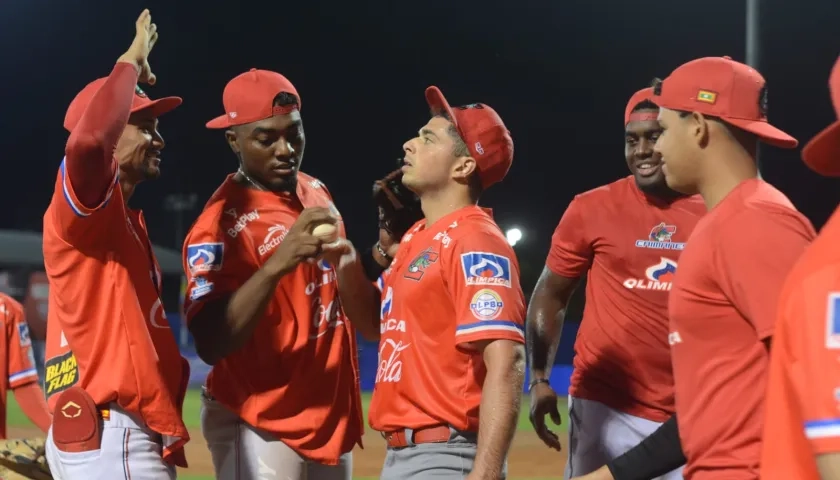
(543, 328)
(223, 327)
(501, 397)
(359, 298)
(90, 148)
(658, 454)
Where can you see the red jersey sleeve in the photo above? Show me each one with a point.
(482, 275)
(754, 261)
(88, 174)
(215, 263)
(813, 312)
(21, 364)
(571, 249)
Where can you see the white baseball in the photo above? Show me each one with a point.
(328, 233)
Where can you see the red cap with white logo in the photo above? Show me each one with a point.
(481, 128)
(249, 97)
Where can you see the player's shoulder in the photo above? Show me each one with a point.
(310, 182)
(477, 229)
(618, 190)
(222, 210)
(758, 206)
(9, 305)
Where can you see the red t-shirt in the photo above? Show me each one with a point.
(722, 308)
(304, 333)
(451, 283)
(17, 364)
(802, 405)
(629, 244)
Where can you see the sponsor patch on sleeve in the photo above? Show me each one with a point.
(486, 304)
(23, 334)
(205, 257)
(832, 322)
(481, 268)
(200, 288)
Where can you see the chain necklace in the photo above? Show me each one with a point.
(256, 185)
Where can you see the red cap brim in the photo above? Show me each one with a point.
(438, 104)
(765, 132)
(222, 121)
(822, 153)
(160, 106)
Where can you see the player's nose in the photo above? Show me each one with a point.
(157, 141)
(644, 148)
(408, 146)
(284, 149)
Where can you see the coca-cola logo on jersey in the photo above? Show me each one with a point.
(390, 360)
(325, 316)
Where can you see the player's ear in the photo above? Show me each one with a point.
(230, 136)
(699, 128)
(463, 168)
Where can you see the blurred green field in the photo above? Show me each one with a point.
(192, 403)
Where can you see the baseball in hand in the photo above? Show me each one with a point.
(326, 232)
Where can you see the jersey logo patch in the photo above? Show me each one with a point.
(660, 238)
(832, 322)
(481, 268)
(201, 289)
(205, 257)
(23, 333)
(417, 267)
(657, 277)
(60, 373)
(486, 304)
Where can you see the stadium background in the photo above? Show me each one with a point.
(558, 72)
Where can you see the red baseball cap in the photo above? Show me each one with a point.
(822, 153)
(645, 94)
(481, 128)
(141, 102)
(249, 97)
(723, 88)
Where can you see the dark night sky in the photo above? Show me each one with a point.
(558, 72)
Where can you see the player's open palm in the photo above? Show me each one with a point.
(544, 402)
(300, 244)
(145, 37)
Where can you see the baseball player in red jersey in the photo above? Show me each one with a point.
(268, 320)
(19, 367)
(802, 432)
(450, 313)
(722, 308)
(114, 376)
(622, 389)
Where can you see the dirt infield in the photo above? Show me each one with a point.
(528, 458)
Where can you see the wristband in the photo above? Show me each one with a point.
(536, 382)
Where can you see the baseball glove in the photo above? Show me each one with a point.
(399, 207)
(24, 459)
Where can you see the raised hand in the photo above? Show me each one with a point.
(145, 37)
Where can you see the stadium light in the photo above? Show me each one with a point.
(513, 236)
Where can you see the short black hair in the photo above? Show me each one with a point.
(645, 105)
(459, 147)
(285, 99)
